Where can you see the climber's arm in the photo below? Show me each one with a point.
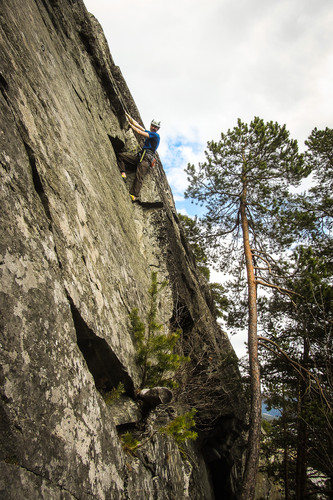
(134, 124)
(140, 130)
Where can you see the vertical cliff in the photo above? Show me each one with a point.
(76, 257)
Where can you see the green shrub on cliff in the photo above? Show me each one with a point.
(181, 427)
(154, 349)
(111, 396)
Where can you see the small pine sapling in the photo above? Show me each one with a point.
(111, 396)
(155, 350)
(181, 428)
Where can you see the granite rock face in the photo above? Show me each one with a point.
(76, 256)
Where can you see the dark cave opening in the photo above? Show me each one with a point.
(102, 362)
(220, 477)
(222, 457)
(117, 144)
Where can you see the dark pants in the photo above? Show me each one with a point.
(142, 168)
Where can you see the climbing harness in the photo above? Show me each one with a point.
(142, 155)
(136, 150)
(149, 155)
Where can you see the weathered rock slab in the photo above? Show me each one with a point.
(76, 257)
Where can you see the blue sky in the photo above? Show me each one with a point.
(176, 153)
(198, 66)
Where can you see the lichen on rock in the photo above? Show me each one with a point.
(76, 256)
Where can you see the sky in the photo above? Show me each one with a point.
(199, 65)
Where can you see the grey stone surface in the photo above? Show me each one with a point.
(76, 257)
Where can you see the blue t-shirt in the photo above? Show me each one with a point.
(152, 141)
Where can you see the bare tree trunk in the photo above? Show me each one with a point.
(285, 462)
(285, 450)
(302, 429)
(253, 447)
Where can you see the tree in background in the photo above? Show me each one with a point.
(279, 440)
(319, 157)
(244, 185)
(298, 350)
(299, 335)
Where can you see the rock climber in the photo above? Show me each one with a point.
(146, 157)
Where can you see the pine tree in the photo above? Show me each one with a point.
(298, 362)
(244, 185)
(299, 340)
(155, 351)
(319, 157)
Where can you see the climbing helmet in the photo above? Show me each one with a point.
(155, 123)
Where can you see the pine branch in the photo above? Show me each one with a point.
(297, 366)
(284, 291)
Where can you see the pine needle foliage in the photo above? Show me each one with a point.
(244, 185)
(111, 396)
(181, 428)
(155, 349)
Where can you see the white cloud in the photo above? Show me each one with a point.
(183, 211)
(176, 152)
(238, 342)
(198, 66)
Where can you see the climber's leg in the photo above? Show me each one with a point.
(141, 172)
(126, 159)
